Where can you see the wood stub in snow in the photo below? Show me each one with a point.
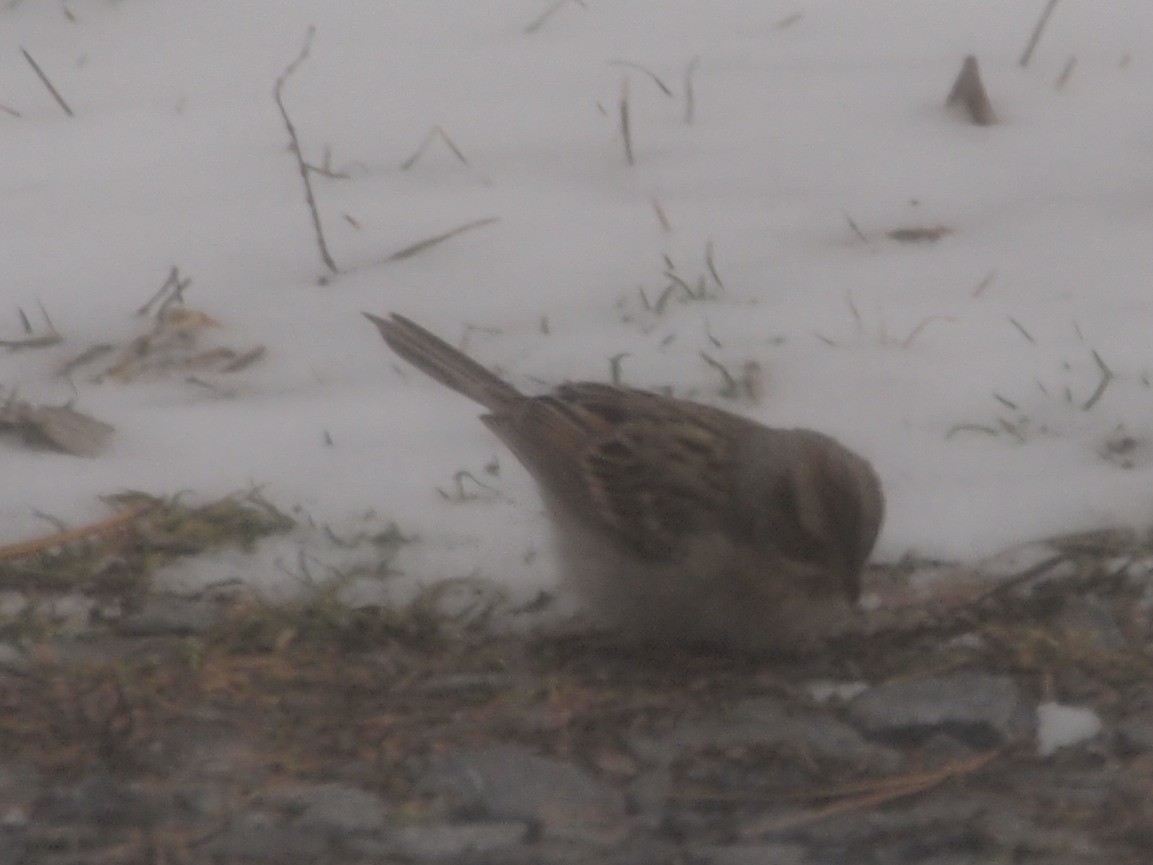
(969, 95)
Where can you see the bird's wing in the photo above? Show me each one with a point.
(631, 462)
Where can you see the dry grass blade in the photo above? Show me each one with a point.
(731, 389)
(1106, 377)
(907, 342)
(294, 146)
(984, 283)
(539, 21)
(856, 229)
(664, 88)
(662, 218)
(919, 234)
(626, 128)
(868, 794)
(58, 539)
(422, 245)
(32, 342)
(1066, 73)
(1037, 31)
(437, 132)
(44, 80)
(690, 98)
(1021, 329)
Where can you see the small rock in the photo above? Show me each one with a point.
(752, 854)
(449, 841)
(1092, 623)
(509, 782)
(13, 660)
(99, 800)
(258, 837)
(1059, 726)
(335, 808)
(981, 709)
(767, 722)
(171, 615)
(1135, 734)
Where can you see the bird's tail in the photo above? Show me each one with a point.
(450, 366)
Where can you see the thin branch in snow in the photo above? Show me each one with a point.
(540, 20)
(626, 130)
(856, 312)
(1106, 377)
(730, 390)
(1036, 37)
(1063, 78)
(711, 265)
(657, 81)
(44, 80)
(294, 146)
(907, 342)
(661, 217)
(856, 230)
(615, 375)
(174, 284)
(984, 283)
(690, 98)
(422, 245)
(437, 132)
(1021, 328)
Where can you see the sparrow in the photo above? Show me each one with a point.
(679, 524)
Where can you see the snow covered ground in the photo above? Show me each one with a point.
(964, 367)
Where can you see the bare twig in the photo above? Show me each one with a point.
(85, 357)
(422, 245)
(1063, 78)
(615, 367)
(51, 336)
(172, 291)
(32, 341)
(1021, 328)
(984, 283)
(856, 230)
(856, 312)
(690, 100)
(460, 494)
(70, 536)
(1106, 377)
(294, 146)
(539, 21)
(731, 389)
(661, 217)
(652, 75)
(1036, 37)
(870, 794)
(626, 130)
(433, 134)
(711, 265)
(907, 342)
(44, 80)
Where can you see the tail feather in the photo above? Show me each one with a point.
(450, 366)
